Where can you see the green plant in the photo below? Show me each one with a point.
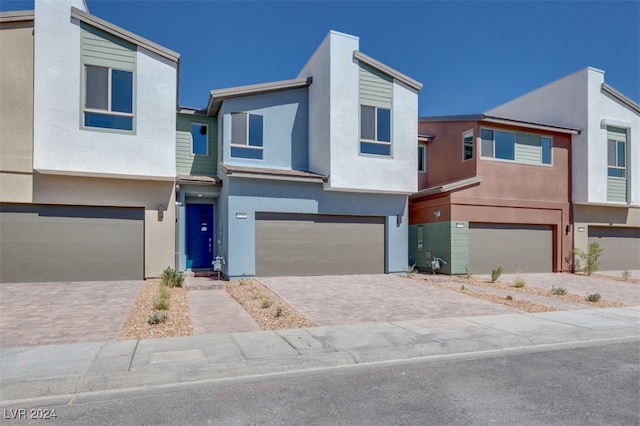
(509, 297)
(279, 311)
(559, 291)
(495, 274)
(158, 317)
(411, 270)
(587, 261)
(467, 272)
(164, 292)
(161, 303)
(595, 297)
(519, 283)
(265, 304)
(171, 277)
(463, 287)
(626, 275)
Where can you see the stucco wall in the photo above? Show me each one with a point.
(60, 144)
(285, 128)
(253, 195)
(585, 215)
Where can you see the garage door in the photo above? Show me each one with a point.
(299, 244)
(621, 247)
(56, 243)
(517, 248)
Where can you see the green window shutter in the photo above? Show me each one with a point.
(102, 49)
(528, 148)
(616, 189)
(376, 88)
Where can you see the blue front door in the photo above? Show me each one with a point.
(199, 235)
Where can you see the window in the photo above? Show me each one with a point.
(498, 144)
(467, 145)
(616, 147)
(199, 144)
(246, 135)
(422, 158)
(108, 99)
(375, 130)
(546, 149)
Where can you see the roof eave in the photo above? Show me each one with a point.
(17, 16)
(361, 57)
(619, 96)
(447, 187)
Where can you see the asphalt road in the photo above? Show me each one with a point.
(597, 385)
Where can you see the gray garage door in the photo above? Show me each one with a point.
(517, 248)
(621, 247)
(56, 243)
(299, 244)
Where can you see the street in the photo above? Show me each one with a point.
(588, 385)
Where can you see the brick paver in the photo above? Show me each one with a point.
(68, 312)
(348, 299)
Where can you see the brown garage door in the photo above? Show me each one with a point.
(621, 247)
(61, 243)
(303, 244)
(517, 248)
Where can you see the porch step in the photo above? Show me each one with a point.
(203, 283)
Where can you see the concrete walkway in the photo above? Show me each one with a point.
(215, 311)
(73, 372)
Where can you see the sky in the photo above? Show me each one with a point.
(470, 56)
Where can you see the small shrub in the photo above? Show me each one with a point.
(279, 311)
(595, 297)
(495, 274)
(626, 275)
(161, 303)
(411, 270)
(164, 292)
(463, 288)
(519, 283)
(158, 317)
(467, 272)
(265, 304)
(559, 291)
(509, 297)
(587, 261)
(171, 277)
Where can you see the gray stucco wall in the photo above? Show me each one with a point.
(251, 195)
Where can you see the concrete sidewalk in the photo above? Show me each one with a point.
(65, 372)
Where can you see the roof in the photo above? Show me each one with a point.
(503, 120)
(108, 27)
(263, 173)
(447, 187)
(217, 96)
(414, 84)
(620, 97)
(198, 180)
(17, 16)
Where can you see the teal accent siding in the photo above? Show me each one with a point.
(186, 162)
(376, 88)
(102, 49)
(444, 240)
(616, 189)
(528, 148)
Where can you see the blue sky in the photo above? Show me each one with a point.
(470, 55)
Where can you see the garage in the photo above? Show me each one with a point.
(517, 248)
(307, 244)
(70, 243)
(620, 247)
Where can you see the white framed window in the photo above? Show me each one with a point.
(108, 98)
(616, 152)
(520, 147)
(422, 158)
(546, 145)
(247, 135)
(375, 130)
(497, 144)
(467, 145)
(199, 139)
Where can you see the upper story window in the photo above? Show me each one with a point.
(375, 130)
(108, 101)
(422, 158)
(199, 145)
(616, 152)
(247, 135)
(526, 148)
(467, 145)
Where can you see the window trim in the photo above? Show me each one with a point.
(108, 111)
(375, 129)
(246, 144)
(464, 136)
(424, 158)
(206, 154)
(616, 156)
(515, 142)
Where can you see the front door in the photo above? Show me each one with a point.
(199, 235)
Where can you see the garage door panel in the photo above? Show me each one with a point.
(315, 245)
(55, 243)
(517, 248)
(620, 247)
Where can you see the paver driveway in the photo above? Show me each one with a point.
(348, 299)
(64, 312)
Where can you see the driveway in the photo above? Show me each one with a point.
(64, 312)
(348, 299)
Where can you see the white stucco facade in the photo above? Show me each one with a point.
(579, 100)
(334, 124)
(61, 144)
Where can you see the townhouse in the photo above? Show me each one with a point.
(87, 148)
